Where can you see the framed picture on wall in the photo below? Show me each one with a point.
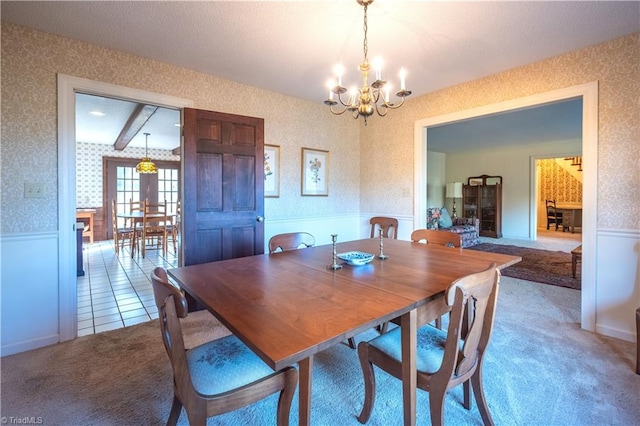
(315, 172)
(271, 171)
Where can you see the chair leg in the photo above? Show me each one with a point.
(351, 342)
(382, 328)
(436, 405)
(369, 383)
(483, 408)
(176, 408)
(286, 396)
(466, 395)
(638, 341)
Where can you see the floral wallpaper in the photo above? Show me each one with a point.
(556, 183)
(89, 168)
(363, 157)
(387, 144)
(30, 63)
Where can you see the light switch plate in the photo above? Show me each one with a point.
(34, 190)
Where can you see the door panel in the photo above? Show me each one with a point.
(223, 188)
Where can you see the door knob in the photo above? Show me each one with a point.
(260, 219)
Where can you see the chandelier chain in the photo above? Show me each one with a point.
(365, 43)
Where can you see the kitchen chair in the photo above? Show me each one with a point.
(173, 228)
(443, 238)
(155, 225)
(444, 360)
(553, 216)
(216, 377)
(290, 241)
(384, 223)
(119, 234)
(136, 206)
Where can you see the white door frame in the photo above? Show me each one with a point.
(68, 86)
(589, 94)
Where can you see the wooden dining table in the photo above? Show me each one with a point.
(289, 306)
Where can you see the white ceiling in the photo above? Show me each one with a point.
(290, 47)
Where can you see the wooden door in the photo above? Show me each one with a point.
(223, 204)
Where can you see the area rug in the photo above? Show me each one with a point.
(541, 266)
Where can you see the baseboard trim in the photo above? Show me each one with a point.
(29, 345)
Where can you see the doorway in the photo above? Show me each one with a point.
(68, 86)
(589, 94)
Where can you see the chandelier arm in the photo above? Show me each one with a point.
(392, 106)
(335, 112)
(347, 105)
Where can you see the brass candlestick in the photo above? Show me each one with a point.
(334, 265)
(382, 256)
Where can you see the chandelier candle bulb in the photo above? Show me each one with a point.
(377, 64)
(403, 75)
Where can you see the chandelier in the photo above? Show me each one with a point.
(375, 97)
(146, 165)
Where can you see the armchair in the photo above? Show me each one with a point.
(468, 228)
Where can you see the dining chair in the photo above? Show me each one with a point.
(553, 216)
(120, 234)
(290, 241)
(155, 225)
(218, 376)
(443, 359)
(443, 238)
(384, 223)
(431, 236)
(173, 227)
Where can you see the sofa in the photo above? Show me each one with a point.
(438, 218)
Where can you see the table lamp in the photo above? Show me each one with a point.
(454, 190)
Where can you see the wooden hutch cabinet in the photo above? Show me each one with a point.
(482, 198)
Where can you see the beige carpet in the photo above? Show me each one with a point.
(540, 369)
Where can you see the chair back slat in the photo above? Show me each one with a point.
(431, 236)
(475, 296)
(171, 305)
(291, 241)
(389, 226)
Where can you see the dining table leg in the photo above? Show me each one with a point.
(305, 371)
(408, 324)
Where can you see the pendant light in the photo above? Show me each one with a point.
(146, 165)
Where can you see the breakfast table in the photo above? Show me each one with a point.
(289, 306)
(138, 217)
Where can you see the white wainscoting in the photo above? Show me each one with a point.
(617, 282)
(30, 313)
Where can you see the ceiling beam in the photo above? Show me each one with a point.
(139, 116)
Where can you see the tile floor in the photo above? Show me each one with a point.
(116, 291)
